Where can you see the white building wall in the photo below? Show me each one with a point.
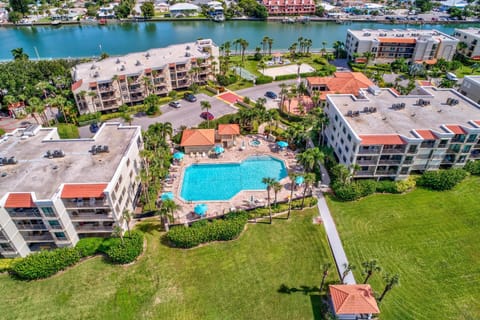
(14, 237)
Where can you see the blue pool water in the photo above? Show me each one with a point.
(203, 182)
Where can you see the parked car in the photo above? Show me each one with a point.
(207, 115)
(189, 97)
(271, 95)
(94, 127)
(175, 104)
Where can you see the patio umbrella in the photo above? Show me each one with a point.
(299, 180)
(218, 149)
(166, 196)
(282, 144)
(178, 155)
(200, 209)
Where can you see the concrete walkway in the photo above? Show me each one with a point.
(333, 238)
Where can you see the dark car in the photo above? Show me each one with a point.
(189, 97)
(207, 115)
(175, 104)
(94, 127)
(271, 95)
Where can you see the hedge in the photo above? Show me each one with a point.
(362, 188)
(128, 250)
(200, 232)
(45, 263)
(442, 179)
(89, 246)
(473, 167)
(263, 80)
(6, 264)
(281, 207)
(285, 77)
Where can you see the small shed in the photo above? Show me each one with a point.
(227, 133)
(198, 140)
(353, 301)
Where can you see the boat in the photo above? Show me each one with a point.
(288, 20)
(219, 18)
(102, 22)
(55, 22)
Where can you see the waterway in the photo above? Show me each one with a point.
(115, 39)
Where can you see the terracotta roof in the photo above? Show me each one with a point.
(92, 84)
(456, 129)
(476, 58)
(288, 2)
(228, 129)
(477, 122)
(19, 200)
(397, 40)
(198, 137)
(395, 91)
(353, 299)
(77, 84)
(148, 70)
(378, 139)
(19, 104)
(341, 82)
(429, 61)
(293, 105)
(425, 83)
(121, 77)
(83, 190)
(427, 134)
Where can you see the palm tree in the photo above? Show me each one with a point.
(369, 267)
(277, 187)
(264, 44)
(293, 176)
(325, 268)
(348, 267)
(309, 158)
(167, 210)
(127, 216)
(270, 44)
(205, 105)
(262, 65)
(300, 44)
(117, 232)
(308, 182)
(308, 45)
(391, 281)
(244, 46)
(19, 54)
(269, 182)
(324, 49)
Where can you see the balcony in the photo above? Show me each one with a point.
(367, 162)
(389, 161)
(386, 173)
(106, 89)
(393, 150)
(364, 174)
(23, 215)
(89, 228)
(369, 150)
(91, 217)
(40, 238)
(136, 89)
(87, 203)
(31, 227)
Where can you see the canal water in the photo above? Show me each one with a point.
(121, 38)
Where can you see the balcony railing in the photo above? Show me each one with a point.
(394, 150)
(46, 237)
(368, 151)
(86, 204)
(386, 173)
(367, 162)
(363, 173)
(23, 215)
(93, 228)
(390, 161)
(106, 89)
(91, 217)
(31, 227)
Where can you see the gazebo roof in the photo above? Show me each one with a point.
(353, 299)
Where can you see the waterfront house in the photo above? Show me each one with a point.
(184, 9)
(353, 301)
(289, 7)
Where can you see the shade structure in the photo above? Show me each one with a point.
(166, 196)
(218, 149)
(200, 209)
(178, 155)
(299, 180)
(282, 144)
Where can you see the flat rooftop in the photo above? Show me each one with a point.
(370, 34)
(473, 78)
(386, 120)
(135, 63)
(36, 173)
(471, 31)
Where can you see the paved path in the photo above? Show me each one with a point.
(333, 238)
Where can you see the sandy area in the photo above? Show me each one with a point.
(290, 69)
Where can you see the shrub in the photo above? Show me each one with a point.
(6, 264)
(345, 191)
(406, 185)
(386, 186)
(45, 263)
(218, 230)
(442, 179)
(282, 207)
(365, 187)
(89, 246)
(263, 80)
(473, 167)
(285, 77)
(127, 251)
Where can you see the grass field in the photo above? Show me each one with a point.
(431, 239)
(234, 280)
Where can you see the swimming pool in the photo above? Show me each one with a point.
(222, 181)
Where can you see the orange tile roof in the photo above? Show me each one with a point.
(397, 40)
(378, 139)
(94, 190)
(341, 82)
(293, 105)
(19, 200)
(92, 84)
(456, 129)
(427, 134)
(77, 85)
(353, 299)
(15, 105)
(198, 137)
(232, 128)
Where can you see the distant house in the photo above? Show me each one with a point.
(353, 301)
(107, 12)
(227, 133)
(161, 7)
(184, 9)
(289, 7)
(17, 109)
(198, 140)
(341, 82)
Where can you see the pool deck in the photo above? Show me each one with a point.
(241, 200)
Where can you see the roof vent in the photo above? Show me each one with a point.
(96, 74)
(349, 113)
(54, 154)
(118, 61)
(138, 63)
(93, 66)
(423, 103)
(8, 161)
(99, 149)
(122, 67)
(147, 54)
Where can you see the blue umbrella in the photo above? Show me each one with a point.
(282, 144)
(299, 180)
(166, 196)
(178, 155)
(200, 209)
(218, 149)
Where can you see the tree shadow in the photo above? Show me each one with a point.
(306, 290)
(318, 299)
(148, 227)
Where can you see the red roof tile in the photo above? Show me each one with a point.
(353, 299)
(341, 82)
(83, 190)
(379, 139)
(121, 77)
(456, 129)
(477, 122)
(427, 134)
(15, 105)
(198, 137)
(397, 40)
(77, 85)
(19, 200)
(230, 129)
(148, 70)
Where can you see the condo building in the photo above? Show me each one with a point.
(469, 44)
(390, 136)
(413, 45)
(109, 83)
(289, 7)
(471, 87)
(55, 191)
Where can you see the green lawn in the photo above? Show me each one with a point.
(431, 239)
(234, 280)
(68, 131)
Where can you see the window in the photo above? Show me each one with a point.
(48, 212)
(55, 224)
(341, 141)
(128, 162)
(466, 149)
(344, 130)
(60, 236)
(349, 137)
(336, 117)
(472, 138)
